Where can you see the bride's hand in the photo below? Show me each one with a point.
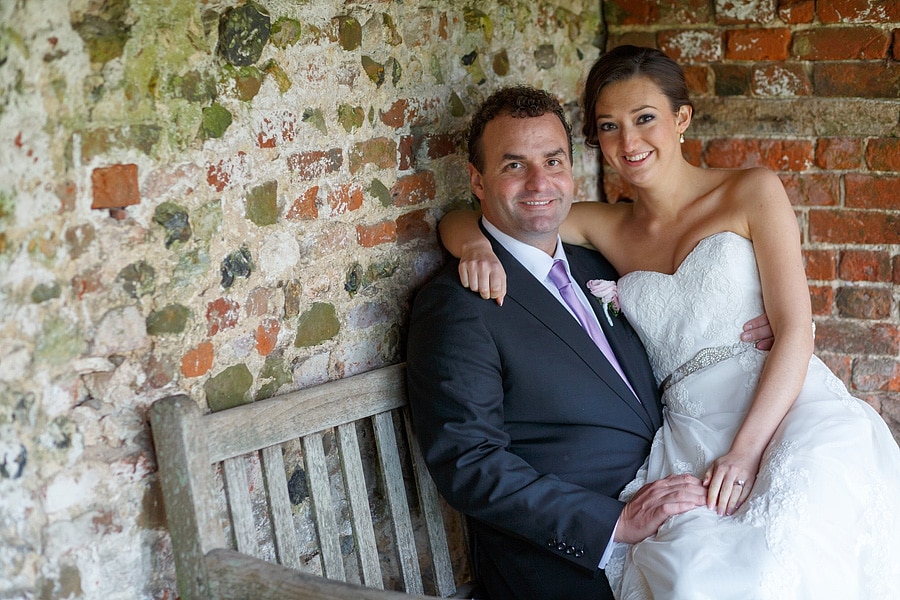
(480, 271)
(729, 481)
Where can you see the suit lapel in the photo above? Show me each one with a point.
(528, 292)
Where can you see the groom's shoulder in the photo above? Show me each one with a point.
(588, 258)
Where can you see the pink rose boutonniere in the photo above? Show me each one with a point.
(608, 294)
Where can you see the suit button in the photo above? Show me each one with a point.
(570, 550)
(579, 553)
(561, 546)
(551, 543)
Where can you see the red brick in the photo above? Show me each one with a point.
(635, 38)
(864, 303)
(870, 79)
(345, 198)
(381, 152)
(86, 283)
(198, 361)
(369, 236)
(631, 12)
(221, 314)
(876, 374)
(615, 188)
(697, 78)
(812, 189)
(412, 113)
(406, 150)
(883, 154)
(683, 12)
(841, 43)
(858, 11)
(864, 265)
(730, 12)
(413, 225)
(691, 45)
(395, 116)
(314, 164)
(896, 270)
(732, 79)
(693, 151)
(820, 264)
(839, 153)
(857, 337)
(872, 191)
(797, 11)
(440, 145)
(896, 44)
(778, 155)
(220, 174)
(780, 79)
(758, 44)
(115, 186)
(305, 206)
(854, 226)
(414, 189)
(840, 365)
(821, 299)
(267, 336)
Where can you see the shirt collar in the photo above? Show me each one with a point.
(536, 261)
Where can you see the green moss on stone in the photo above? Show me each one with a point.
(316, 325)
(45, 291)
(436, 70)
(243, 33)
(457, 108)
(391, 35)
(275, 373)
(191, 266)
(501, 63)
(174, 219)
(59, 342)
(316, 118)
(262, 204)
(374, 70)
(138, 279)
(285, 32)
(380, 191)
(216, 119)
(105, 34)
(476, 19)
(349, 32)
(396, 70)
(274, 70)
(351, 117)
(169, 320)
(229, 388)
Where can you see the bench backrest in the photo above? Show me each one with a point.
(336, 454)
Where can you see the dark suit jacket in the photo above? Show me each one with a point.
(526, 427)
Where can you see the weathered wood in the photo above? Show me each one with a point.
(395, 491)
(430, 502)
(360, 515)
(237, 576)
(286, 548)
(323, 507)
(249, 427)
(237, 487)
(186, 480)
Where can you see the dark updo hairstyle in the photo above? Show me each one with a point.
(518, 102)
(623, 63)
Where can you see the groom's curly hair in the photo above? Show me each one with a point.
(519, 102)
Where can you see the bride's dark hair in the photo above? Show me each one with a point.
(623, 63)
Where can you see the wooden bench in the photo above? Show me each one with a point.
(235, 499)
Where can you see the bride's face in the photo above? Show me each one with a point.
(637, 130)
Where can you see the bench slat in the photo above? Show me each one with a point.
(237, 488)
(323, 507)
(286, 547)
(389, 457)
(434, 521)
(360, 514)
(244, 429)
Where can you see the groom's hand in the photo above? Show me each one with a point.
(656, 502)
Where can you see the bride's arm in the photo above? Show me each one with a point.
(776, 242)
(479, 268)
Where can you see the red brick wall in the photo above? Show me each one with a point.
(809, 89)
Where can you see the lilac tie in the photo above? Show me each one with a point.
(560, 278)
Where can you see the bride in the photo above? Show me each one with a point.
(803, 479)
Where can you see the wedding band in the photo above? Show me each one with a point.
(739, 482)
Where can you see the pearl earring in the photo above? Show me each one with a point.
(682, 138)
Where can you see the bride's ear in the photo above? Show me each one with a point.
(683, 117)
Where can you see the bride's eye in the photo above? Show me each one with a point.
(645, 118)
(606, 126)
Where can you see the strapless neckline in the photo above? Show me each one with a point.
(694, 250)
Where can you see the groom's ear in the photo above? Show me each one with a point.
(476, 180)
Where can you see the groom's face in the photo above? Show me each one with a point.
(526, 186)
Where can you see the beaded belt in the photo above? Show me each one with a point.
(705, 358)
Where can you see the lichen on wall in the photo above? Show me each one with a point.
(225, 199)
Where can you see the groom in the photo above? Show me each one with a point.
(526, 425)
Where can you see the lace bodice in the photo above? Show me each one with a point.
(704, 304)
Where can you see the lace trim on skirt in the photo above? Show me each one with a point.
(703, 359)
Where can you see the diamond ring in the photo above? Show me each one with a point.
(739, 482)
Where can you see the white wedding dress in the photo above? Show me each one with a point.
(822, 519)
